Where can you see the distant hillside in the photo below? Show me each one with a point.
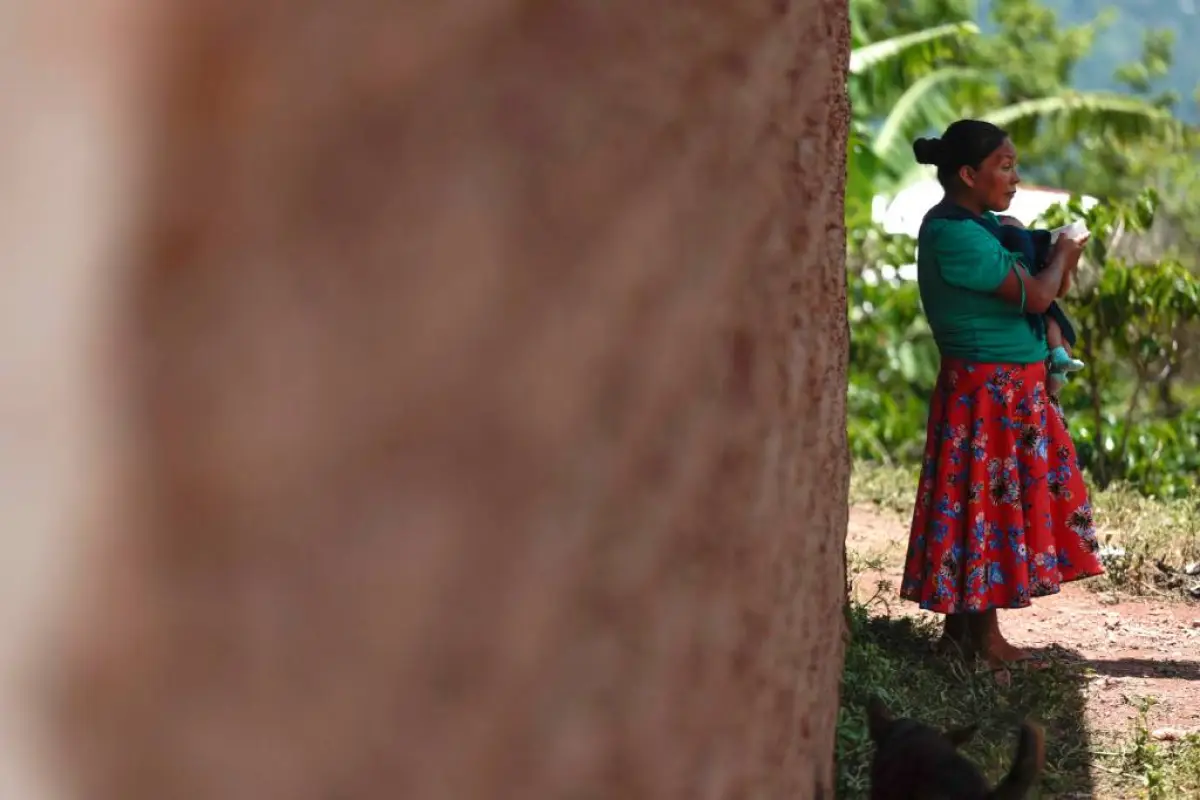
(1122, 42)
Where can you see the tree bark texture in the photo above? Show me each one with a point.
(474, 393)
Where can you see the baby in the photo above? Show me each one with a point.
(1034, 249)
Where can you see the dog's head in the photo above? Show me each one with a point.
(883, 725)
(914, 761)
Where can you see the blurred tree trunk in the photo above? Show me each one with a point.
(482, 408)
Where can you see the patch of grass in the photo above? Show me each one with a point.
(1156, 770)
(1148, 542)
(1160, 539)
(892, 657)
(887, 487)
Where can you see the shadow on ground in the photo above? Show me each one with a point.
(893, 657)
(1145, 668)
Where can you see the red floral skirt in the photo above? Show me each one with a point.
(1002, 513)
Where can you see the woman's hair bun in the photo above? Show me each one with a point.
(928, 151)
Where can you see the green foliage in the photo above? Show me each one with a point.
(1121, 42)
(915, 71)
(1132, 318)
(920, 44)
(1164, 770)
(893, 359)
(1106, 166)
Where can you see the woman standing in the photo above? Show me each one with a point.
(1002, 513)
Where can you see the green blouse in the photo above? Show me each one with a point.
(959, 267)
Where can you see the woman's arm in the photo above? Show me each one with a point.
(1036, 292)
(1066, 284)
(970, 257)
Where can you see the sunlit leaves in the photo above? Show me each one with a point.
(1131, 317)
(917, 44)
(913, 81)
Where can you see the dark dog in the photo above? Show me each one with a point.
(914, 761)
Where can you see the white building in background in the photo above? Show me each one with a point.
(903, 213)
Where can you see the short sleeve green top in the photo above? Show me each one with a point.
(960, 265)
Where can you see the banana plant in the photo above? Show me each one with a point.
(875, 69)
(937, 94)
(1064, 116)
(870, 56)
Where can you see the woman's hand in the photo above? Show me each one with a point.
(1069, 250)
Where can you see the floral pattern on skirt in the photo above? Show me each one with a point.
(1002, 513)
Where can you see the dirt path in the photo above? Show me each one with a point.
(1130, 647)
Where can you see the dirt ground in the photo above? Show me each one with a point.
(1130, 648)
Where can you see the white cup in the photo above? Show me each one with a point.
(1076, 231)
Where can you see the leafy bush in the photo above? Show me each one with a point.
(1133, 318)
(893, 366)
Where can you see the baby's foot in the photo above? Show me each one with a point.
(1062, 361)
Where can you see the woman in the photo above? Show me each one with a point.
(1002, 513)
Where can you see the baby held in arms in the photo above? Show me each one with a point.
(1034, 249)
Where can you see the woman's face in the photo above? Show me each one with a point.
(994, 183)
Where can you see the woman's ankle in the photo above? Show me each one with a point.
(990, 642)
(956, 636)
